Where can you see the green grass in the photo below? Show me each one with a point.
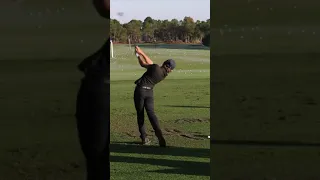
(183, 96)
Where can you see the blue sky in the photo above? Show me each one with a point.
(159, 9)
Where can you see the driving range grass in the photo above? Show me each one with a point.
(182, 104)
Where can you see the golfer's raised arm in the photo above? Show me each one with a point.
(147, 59)
(144, 60)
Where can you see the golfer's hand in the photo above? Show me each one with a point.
(138, 50)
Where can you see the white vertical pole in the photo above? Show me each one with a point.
(111, 45)
(129, 43)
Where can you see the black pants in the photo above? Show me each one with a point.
(143, 99)
(93, 122)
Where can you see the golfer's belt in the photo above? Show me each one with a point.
(145, 87)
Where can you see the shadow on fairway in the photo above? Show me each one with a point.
(187, 106)
(178, 167)
(135, 147)
(174, 46)
(264, 143)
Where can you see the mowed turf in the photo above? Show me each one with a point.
(182, 104)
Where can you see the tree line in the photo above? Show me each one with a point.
(168, 31)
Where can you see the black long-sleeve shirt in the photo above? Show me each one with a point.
(152, 76)
(96, 67)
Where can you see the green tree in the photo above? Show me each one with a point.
(123, 36)
(148, 28)
(151, 30)
(134, 30)
(188, 28)
(206, 40)
(174, 29)
(162, 33)
(115, 30)
(202, 29)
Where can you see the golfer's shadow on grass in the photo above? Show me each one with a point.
(176, 166)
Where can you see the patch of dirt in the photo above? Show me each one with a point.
(172, 132)
(132, 134)
(191, 135)
(192, 120)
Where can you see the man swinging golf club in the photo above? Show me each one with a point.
(93, 107)
(143, 94)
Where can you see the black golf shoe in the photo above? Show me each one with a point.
(162, 142)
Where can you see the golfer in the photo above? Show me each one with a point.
(143, 94)
(92, 107)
